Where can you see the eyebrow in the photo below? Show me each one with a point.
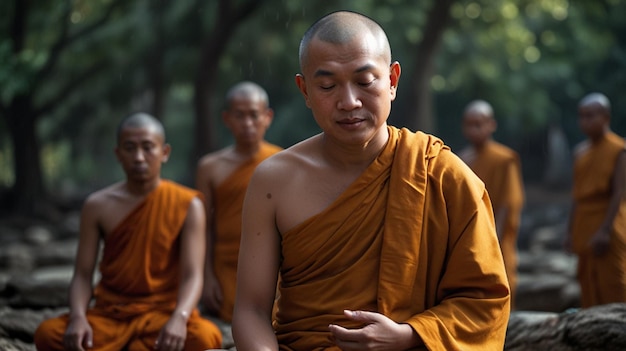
(325, 73)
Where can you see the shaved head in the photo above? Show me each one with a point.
(597, 100)
(247, 90)
(141, 120)
(342, 27)
(479, 107)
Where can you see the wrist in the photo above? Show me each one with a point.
(182, 314)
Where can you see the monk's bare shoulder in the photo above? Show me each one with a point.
(581, 148)
(284, 165)
(106, 207)
(105, 197)
(215, 167)
(213, 160)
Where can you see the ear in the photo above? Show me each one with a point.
(167, 149)
(302, 86)
(225, 117)
(493, 124)
(269, 115)
(394, 78)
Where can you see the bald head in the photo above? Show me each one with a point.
(247, 90)
(141, 120)
(596, 100)
(479, 107)
(341, 28)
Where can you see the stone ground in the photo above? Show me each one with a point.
(36, 259)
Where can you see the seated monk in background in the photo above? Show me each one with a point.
(151, 267)
(383, 238)
(223, 177)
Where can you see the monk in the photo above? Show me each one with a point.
(597, 227)
(151, 266)
(223, 177)
(383, 238)
(499, 167)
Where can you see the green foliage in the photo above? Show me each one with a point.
(532, 59)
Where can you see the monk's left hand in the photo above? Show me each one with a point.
(379, 333)
(173, 334)
(600, 242)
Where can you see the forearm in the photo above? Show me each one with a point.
(611, 213)
(618, 187)
(79, 296)
(188, 294)
(252, 331)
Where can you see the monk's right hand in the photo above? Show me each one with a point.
(78, 335)
(211, 296)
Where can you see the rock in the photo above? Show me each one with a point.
(546, 292)
(596, 328)
(38, 235)
(25, 292)
(7, 344)
(17, 327)
(57, 253)
(17, 257)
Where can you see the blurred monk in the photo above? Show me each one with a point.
(499, 167)
(383, 238)
(223, 178)
(597, 228)
(151, 267)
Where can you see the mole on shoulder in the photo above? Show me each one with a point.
(269, 195)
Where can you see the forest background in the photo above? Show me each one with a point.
(71, 69)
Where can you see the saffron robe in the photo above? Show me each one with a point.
(499, 168)
(412, 238)
(140, 270)
(228, 204)
(602, 279)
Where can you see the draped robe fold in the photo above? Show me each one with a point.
(412, 238)
(140, 271)
(499, 168)
(228, 203)
(602, 279)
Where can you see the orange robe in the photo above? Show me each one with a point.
(602, 279)
(412, 238)
(228, 203)
(499, 168)
(139, 286)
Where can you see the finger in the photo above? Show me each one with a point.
(342, 334)
(363, 316)
(89, 339)
(158, 342)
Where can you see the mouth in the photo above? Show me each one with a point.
(351, 123)
(140, 169)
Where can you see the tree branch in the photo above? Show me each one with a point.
(66, 40)
(68, 89)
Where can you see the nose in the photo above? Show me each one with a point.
(349, 98)
(248, 121)
(138, 155)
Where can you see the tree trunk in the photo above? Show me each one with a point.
(228, 19)
(420, 113)
(28, 188)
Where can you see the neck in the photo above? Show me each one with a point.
(481, 146)
(247, 150)
(142, 188)
(597, 138)
(354, 156)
